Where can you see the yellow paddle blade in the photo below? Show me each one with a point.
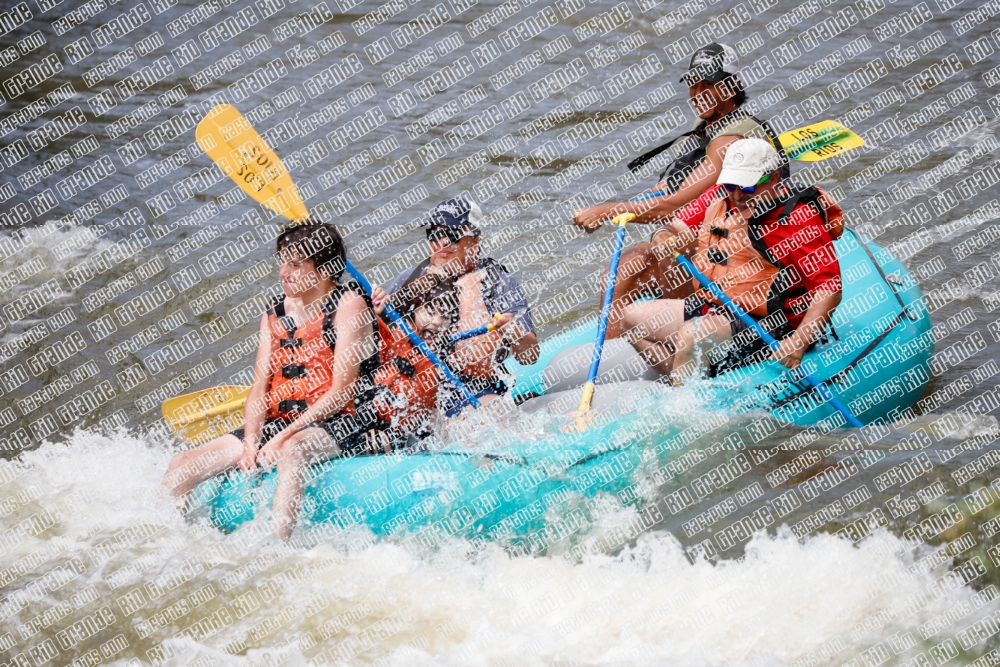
(582, 418)
(819, 141)
(206, 414)
(229, 139)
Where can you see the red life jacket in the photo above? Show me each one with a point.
(301, 360)
(406, 386)
(736, 258)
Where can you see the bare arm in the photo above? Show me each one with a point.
(675, 235)
(816, 318)
(526, 349)
(659, 209)
(255, 408)
(523, 343)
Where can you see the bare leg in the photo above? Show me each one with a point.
(642, 274)
(310, 445)
(650, 326)
(483, 400)
(188, 469)
(658, 355)
(709, 332)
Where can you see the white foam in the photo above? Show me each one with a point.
(39, 244)
(646, 606)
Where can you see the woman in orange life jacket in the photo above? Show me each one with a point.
(718, 97)
(405, 389)
(317, 353)
(769, 246)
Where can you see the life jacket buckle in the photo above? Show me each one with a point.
(292, 371)
(290, 342)
(292, 405)
(718, 231)
(717, 257)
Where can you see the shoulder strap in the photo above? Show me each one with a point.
(416, 273)
(277, 308)
(755, 230)
(641, 161)
(492, 279)
(806, 195)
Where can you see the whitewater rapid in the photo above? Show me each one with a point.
(88, 532)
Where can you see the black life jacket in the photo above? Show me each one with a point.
(821, 201)
(682, 167)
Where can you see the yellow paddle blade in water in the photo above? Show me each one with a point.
(819, 141)
(206, 414)
(229, 139)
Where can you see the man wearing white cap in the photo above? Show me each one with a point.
(717, 96)
(770, 250)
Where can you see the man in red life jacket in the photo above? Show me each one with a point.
(318, 352)
(769, 246)
(691, 164)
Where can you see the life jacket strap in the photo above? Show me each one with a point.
(292, 371)
(716, 256)
(292, 406)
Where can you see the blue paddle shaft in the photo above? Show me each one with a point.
(609, 290)
(417, 341)
(470, 333)
(651, 195)
(765, 336)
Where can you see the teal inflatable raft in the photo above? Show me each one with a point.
(540, 484)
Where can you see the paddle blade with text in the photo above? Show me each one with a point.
(229, 139)
(819, 141)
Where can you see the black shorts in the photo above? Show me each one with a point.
(342, 428)
(747, 347)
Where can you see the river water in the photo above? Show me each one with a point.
(124, 291)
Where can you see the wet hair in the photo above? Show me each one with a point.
(436, 292)
(317, 241)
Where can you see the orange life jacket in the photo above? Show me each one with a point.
(739, 262)
(727, 257)
(405, 387)
(301, 360)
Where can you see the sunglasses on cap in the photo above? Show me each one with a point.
(750, 190)
(453, 234)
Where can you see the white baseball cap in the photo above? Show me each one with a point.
(747, 161)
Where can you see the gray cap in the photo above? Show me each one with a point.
(458, 212)
(712, 63)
